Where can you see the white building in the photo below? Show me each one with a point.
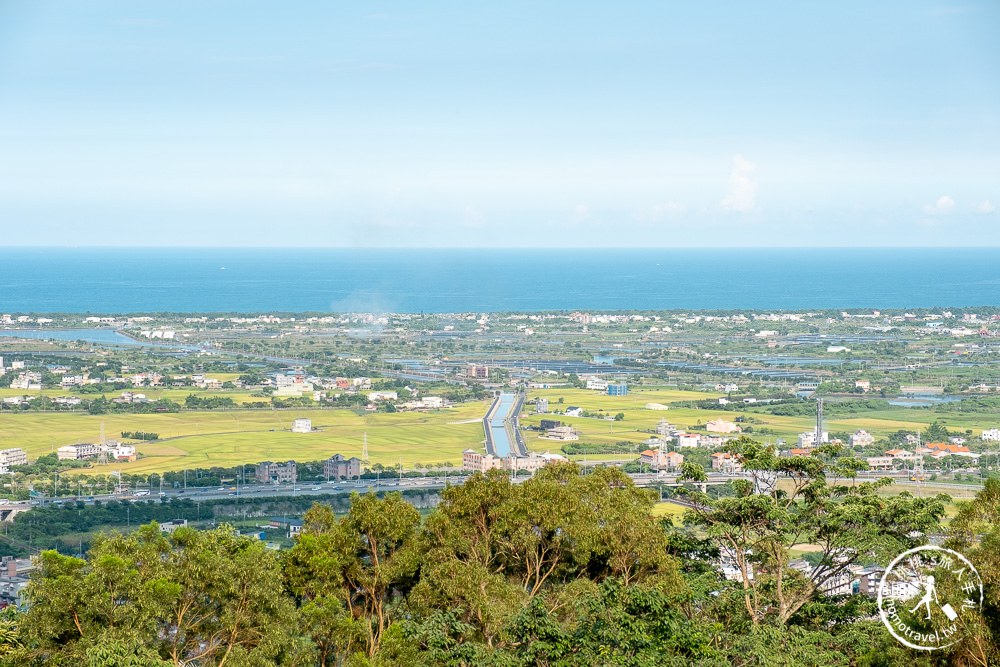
(302, 426)
(15, 456)
(562, 433)
(991, 435)
(687, 439)
(383, 396)
(808, 439)
(862, 439)
(78, 452)
(597, 383)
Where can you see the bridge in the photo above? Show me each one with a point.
(8, 512)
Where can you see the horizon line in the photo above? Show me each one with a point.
(540, 248)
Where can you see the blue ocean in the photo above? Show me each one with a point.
(121, 280)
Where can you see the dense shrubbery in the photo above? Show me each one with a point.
(140, 435)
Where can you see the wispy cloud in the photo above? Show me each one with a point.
(985, 207)
(742, 188)
(942, 206)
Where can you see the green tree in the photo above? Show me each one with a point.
(758, 527)
(346, 573)
(206, 597)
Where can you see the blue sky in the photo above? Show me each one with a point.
(215, 122)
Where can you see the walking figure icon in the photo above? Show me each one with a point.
(930, 590)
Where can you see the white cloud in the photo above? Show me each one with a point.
(985, 207)
(943, 206)
(742, 189)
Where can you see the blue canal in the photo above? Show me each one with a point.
(497, 429)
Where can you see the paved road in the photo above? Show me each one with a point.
(428, 483)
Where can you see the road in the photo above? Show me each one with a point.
(254, 491)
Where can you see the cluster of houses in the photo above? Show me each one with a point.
(718, 432)
(474, 461)
(112, 450)
(936, 450)
(27, 380)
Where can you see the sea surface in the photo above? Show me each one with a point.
(122, 280)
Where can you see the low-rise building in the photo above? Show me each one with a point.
(880, 462)
(808, 439)
(302, 426)
(620, 389)
(383, 396)
(660, 460)
(687, 439)
(726, 462)
(901, 454)
(991, 435)
(480, 462)
(171, 526)
(78, 452)
(477, 371)
(562, 433)
(541, 405)
(722, 426)
(862, 438)
(574, 411)
(14, 456)
(340, 467)
(596, 384)
(269, 472)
